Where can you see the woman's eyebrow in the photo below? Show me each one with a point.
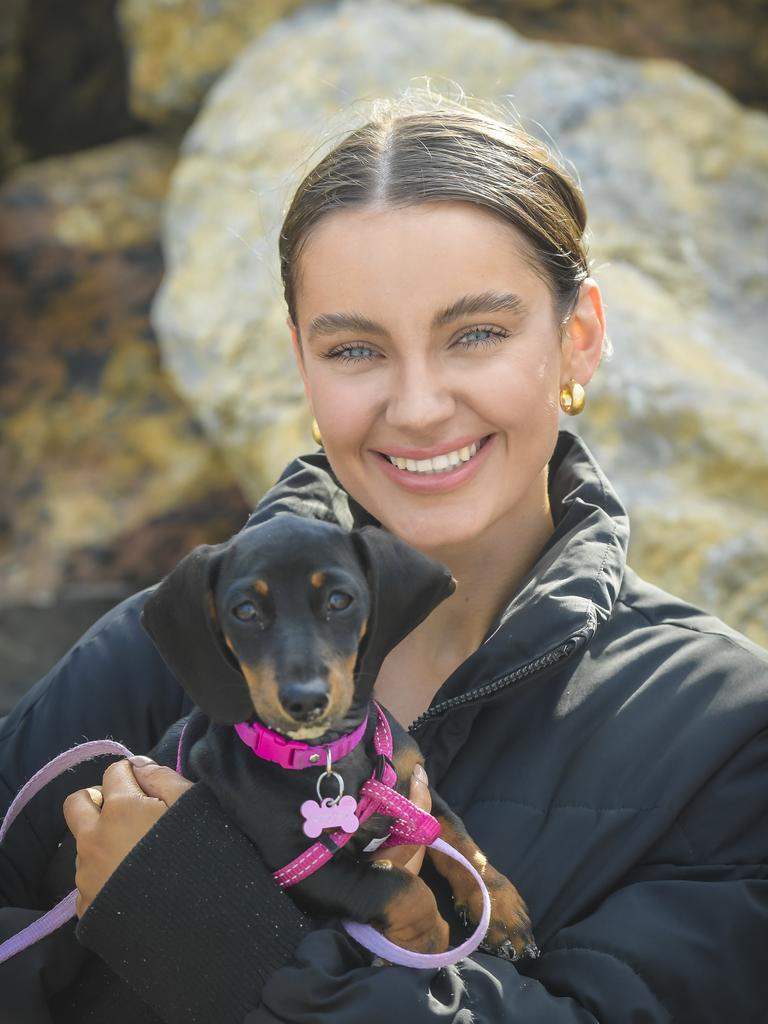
(487, 302)
(331, 323)
(467, 305)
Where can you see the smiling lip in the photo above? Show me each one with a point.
(418, 454)
(436, 482)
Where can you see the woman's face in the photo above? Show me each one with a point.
(432, 358)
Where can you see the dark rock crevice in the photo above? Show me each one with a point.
(71, 90)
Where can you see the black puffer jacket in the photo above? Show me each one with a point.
(606, 746)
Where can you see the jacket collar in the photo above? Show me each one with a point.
(578, 574)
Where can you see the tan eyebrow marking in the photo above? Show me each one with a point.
(317, 579)
(467, 305)
(261, 587)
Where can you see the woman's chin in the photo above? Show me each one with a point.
(435, 538)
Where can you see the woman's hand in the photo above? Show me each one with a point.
(135, 794)
(410, 857)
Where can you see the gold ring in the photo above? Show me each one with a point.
(96, 795)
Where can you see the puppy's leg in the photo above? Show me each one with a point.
(509, 932)
(391, 899)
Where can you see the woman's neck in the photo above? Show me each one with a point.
(489, 572)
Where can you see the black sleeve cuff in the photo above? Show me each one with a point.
(191, 919)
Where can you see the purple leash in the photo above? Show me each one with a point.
(65, 909)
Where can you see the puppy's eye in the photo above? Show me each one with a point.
(338, 601)
(246, 611)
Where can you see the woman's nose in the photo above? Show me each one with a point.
(420, 398)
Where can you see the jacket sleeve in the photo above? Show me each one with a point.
(112, 683)
(191, 919)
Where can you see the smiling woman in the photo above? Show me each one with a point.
(605, 742)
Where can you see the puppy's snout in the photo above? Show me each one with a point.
(305, 701)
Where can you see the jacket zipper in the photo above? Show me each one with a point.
(532, 668)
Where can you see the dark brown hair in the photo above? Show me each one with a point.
(404, 157)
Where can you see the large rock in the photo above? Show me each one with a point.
(107, 478)
(675, 177)
(722, 39)
(178, 48)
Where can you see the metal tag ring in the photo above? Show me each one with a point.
(339, 780)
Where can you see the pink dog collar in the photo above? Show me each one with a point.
(287, 753)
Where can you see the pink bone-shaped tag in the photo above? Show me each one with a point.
(329, 814)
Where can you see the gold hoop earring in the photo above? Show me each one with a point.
(317, 437)
(573, 398)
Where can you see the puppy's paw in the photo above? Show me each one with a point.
(509, 933)
(411, 920)
(429, 936)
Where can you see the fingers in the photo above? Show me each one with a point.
(106, 834)
(137, 778)
(411, 857)
(120, 781)
(419, 793)
(80, 811)
(158, 781)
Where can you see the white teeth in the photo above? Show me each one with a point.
(439, 464)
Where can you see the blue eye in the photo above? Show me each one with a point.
(354, 352)
(482, 337)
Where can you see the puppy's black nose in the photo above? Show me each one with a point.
(305, 701)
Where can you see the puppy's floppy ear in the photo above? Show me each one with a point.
(405, 587)
(180, 618)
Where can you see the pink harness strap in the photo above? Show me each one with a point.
(411, 824)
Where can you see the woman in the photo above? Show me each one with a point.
(602, 740)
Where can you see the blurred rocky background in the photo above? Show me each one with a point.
(137, 422)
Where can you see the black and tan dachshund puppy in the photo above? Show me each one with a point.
(288, 624)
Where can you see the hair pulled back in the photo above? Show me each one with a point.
(404, 157)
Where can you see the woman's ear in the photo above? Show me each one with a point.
(299, 354)
(584, 335)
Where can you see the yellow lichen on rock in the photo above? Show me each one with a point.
(178, 48)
